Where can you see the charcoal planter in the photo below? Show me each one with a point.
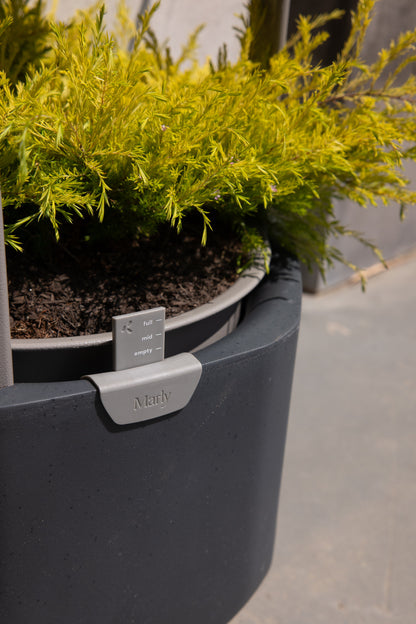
(167, 521)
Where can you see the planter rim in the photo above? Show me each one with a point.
(245, 283)
(276, 303)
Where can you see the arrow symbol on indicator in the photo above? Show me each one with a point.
(127, 328)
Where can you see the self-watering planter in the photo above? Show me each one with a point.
(169, 518)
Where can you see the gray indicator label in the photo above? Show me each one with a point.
(138, 338)
(135, 395)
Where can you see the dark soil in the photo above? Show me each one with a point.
(77, 291)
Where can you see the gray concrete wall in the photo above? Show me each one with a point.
(65, 9)
(176, 19)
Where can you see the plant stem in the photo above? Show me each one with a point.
(6, 365)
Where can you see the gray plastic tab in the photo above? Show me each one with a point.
(138, 338)
(146, 392)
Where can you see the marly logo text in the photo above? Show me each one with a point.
(150, 400)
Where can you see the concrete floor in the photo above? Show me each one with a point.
(346, 540)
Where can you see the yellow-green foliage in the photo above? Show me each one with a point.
(120, 131)
(23, 36)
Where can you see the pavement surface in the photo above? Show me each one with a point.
(346, 540)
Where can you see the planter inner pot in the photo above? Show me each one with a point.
(60, 359)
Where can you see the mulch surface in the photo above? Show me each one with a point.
(77, 291)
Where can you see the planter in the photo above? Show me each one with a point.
(167, 520)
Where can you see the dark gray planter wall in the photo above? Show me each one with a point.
(169, 521)
(380, 224)
(338, 29)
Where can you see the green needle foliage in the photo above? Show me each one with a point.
(24, 32)
(127, 138)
